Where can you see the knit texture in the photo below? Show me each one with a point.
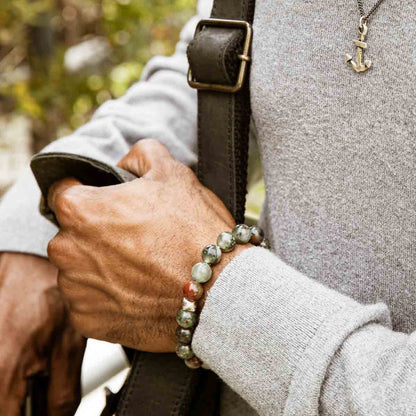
(288, 332)
(339, 147)
(270, 332)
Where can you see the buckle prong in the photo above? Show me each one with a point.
(244, 57)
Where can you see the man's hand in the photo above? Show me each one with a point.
(36, 336)
(124, 252)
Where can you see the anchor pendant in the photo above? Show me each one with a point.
(361, 65)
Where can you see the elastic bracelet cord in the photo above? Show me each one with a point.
(188, 315)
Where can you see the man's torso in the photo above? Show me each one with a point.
(339, 147)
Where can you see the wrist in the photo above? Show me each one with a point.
(226, 259)
(204, 275)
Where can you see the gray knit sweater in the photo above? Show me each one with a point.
(323, 325)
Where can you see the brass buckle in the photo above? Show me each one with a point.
(244, 57)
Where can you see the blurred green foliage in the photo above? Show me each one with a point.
(36, 34)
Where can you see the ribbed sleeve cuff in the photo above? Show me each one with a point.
(270, 332)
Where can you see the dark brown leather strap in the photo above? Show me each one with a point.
(223, 118)
(160, 385)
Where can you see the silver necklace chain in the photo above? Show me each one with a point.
(364, 16)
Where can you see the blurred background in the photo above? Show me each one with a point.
(60, 60)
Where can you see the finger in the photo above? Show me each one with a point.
(64, 393)
(11, 401)
(13, 407)
(61, 250)
(60, 198)
(58, 189)
(148, 158)
(13, 381)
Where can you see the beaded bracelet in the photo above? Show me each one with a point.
(187, 317)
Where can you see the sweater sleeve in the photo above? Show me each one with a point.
(161, 106)
(291, 346)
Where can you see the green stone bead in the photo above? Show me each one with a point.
(184, 351)
(211, 254)
(184, 336)
(186, 319)
(257, 235)
(226, 242)
(201, 272)
(242, 233)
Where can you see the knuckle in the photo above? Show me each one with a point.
(55, 248)
(67, 202)
(82, 206)
(142, 146)
(134, 151)
(64, 200)
(148, 147)
(125, 162)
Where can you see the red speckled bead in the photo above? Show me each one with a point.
(193, 363)
(193, 291)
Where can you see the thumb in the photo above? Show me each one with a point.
(148, 158)
(64, 392)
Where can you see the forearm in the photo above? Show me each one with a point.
(271, 333)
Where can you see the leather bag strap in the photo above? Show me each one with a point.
(159, 384)
(217, 56)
